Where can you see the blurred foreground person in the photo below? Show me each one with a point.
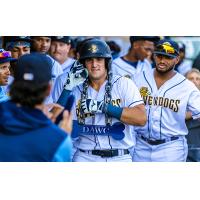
(27, 134)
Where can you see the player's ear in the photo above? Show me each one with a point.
(135, 45)
(177, 59)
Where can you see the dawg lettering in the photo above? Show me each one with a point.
(95, 130)
(159, 101)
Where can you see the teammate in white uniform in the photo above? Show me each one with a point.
(167, 95)
(59, 50)
(101, 101)
(138, 57)
(42, 44)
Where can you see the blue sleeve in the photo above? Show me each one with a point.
(3, 96)
(63, 153)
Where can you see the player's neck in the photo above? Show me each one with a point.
(130, 57)
(161, 78)
(96, 84)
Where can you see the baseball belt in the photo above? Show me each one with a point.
(106, 153)
(157, 142)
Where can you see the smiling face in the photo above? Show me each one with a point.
(59, 51)
(165, 64)
(4, 73)
(96, 68)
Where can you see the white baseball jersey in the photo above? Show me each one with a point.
(122, 67)
(124, 94)
(67, 65)
(166, 107)
(56, 71)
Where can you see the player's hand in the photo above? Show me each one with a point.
(54, 110)
(77, 75)
(92, 106)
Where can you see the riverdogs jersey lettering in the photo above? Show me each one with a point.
(167, 105)
(159, 101)
(124, 94)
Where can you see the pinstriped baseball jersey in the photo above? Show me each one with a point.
(124, 94)
(67, 65)
(122, 68)
(166, 107)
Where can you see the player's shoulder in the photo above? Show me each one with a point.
(180, 79)
(55, 62)
(118, 61)
(121, 80)
(63, 76)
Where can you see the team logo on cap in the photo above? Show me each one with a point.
(168, 48)
(60, 37)
(93, 48)
(144, 92)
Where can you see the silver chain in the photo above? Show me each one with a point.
(107, 98)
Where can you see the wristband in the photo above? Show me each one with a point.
(113, 111)
(63, 97)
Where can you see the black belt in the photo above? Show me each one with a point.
(157, 142)
(107, 153)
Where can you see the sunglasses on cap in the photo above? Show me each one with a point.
(5, 54)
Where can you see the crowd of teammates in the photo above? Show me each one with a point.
(133, 107)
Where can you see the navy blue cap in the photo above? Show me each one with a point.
(34, 67)
(17, 38)
(168, 48)
(143, 38)
(64, 39)
(5, 56)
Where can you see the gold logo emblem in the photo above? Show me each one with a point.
(168, 48)
(93, 48)
(144, 92)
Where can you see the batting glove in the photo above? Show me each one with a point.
(92, 106)
(77, 75)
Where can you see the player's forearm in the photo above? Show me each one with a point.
(188, 115)
(134, 116)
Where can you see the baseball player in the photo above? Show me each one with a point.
(167, 96)
(59, 50)
(138, 58)
(18, 45)
(41, 44)
(5, 60)
(104, 110)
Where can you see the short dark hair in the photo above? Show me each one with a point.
(27, 93)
